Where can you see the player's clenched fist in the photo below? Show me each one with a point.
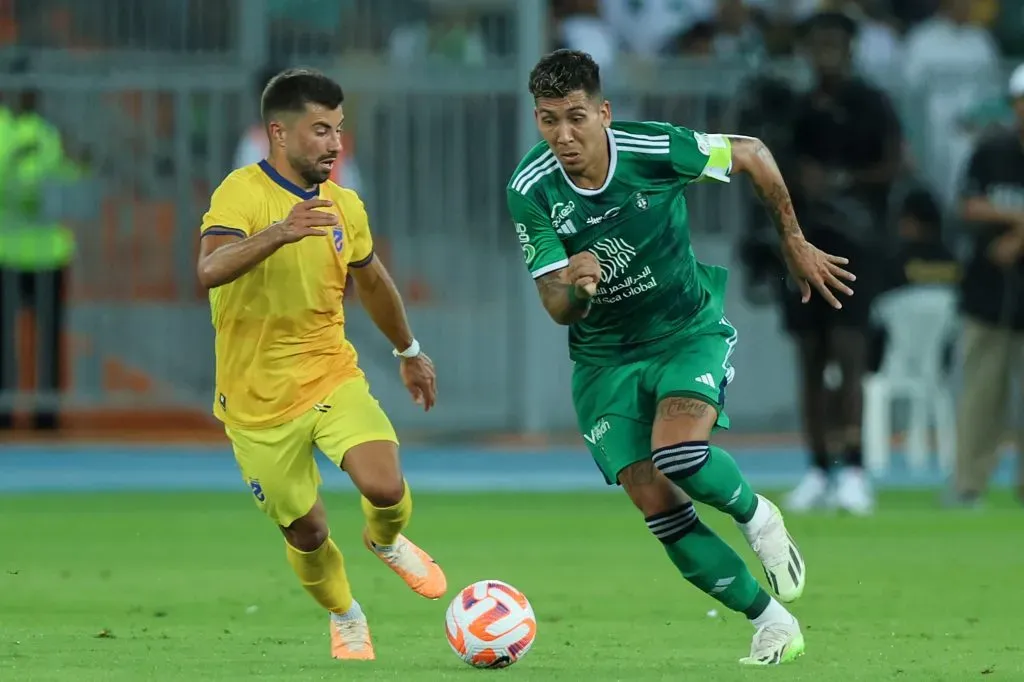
(304, 219)
(584, 273)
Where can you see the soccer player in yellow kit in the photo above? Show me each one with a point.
(277, 244)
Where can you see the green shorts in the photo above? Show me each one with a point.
(615, 406)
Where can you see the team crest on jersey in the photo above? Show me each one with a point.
(641, 201)
(339, 239)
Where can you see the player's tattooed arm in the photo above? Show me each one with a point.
(567, 292)
(752, 156)
(811, 268)
(560, 297)
(383, 302)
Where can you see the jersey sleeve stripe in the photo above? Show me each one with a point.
(545, 269)
(539, 161)
(643, 150)
(225, 231)
(527, 180)
(362, 263)
(547, 171)
(642, 142)
(636, 136)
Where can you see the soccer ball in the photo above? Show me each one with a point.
(490, 624)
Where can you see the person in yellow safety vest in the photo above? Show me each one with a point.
(35, 254)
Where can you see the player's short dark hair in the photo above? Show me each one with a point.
(291, 90)
(565, 71)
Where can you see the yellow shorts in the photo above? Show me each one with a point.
(278, 462)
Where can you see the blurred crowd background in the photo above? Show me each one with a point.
(894, 121)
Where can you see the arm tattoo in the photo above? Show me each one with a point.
(772, 192)
(559, 297)
(671, 409)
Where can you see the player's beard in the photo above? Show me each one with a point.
(311, 173)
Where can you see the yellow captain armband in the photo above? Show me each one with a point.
(719, 152)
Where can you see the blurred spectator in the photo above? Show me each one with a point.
(35, 252)
(737, 35)
(254, 146)
(993, 301)
(909, 13)
(647, 28)
(1008, 27)
(697, 41)
(579, 26)
(948, 63)
(878, 50)
(847, 143)
(450, 33)
(921, 258)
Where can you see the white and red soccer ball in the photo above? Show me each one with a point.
(490, 624)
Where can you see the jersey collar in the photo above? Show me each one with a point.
(287, 184)
(613, 160)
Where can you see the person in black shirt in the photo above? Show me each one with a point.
(920, 259)
(992, 300)
(847, 149)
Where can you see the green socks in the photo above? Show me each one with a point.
(708, 474)
(707, 562)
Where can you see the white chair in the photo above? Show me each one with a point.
(919, 322)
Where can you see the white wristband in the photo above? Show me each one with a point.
(412, 351)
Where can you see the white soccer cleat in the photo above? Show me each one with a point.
(783, 564)
(775, 643)
(854, 493)
(810, 493)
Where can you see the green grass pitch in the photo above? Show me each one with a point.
(154, 587)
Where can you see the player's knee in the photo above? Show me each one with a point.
(307, 533)
(681, 460)
(384, 493)
(649, 490)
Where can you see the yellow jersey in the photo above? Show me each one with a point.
(280, 340)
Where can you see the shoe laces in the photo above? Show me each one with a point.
(403, 557)
(765, 540)
(353, 631)
(769, 638)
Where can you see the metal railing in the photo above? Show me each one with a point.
(435, 144)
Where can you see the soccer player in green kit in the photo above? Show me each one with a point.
(600, 213)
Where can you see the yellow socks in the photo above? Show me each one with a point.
(384, 524)
(322, 573)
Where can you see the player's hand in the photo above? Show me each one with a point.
(304, 220)
(420, 379)
(584, 274)
(811, 267)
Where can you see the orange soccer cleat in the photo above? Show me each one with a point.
(412, 565)
(350, 638)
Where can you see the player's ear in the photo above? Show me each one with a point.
(606, 113)
(276, 133)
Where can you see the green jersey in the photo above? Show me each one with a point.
(636, 225)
